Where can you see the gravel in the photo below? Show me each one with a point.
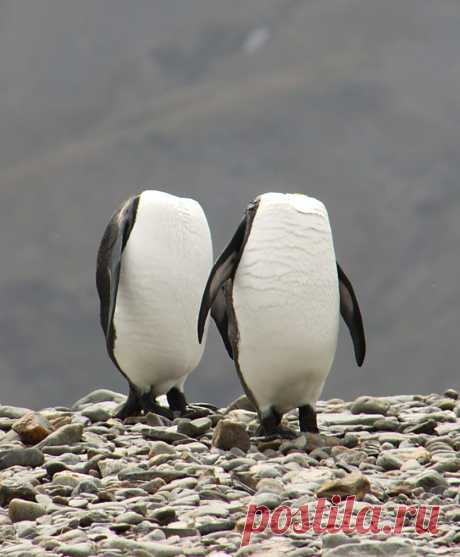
(96, 486)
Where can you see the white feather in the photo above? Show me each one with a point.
(286, 302)
(164, 269)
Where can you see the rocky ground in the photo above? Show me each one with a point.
(76, 482)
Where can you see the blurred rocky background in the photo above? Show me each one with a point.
(353, 101)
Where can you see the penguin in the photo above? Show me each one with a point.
(152, 265)
(276, 292)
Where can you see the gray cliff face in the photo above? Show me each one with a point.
(353, 102)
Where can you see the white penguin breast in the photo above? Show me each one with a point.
(164, 269)
(286, 302)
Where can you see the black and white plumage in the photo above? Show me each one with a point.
(279, 292)
(152, 266)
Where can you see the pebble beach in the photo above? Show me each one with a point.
(76, 482)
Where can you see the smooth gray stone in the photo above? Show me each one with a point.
(160, 447)
(19, 509)
(427, 427)
(26, 529)
(99, 395)
(15, 489)
(150, 548)
(349, 420)
(370, 405)
(91, 485)
(65, 435)
(388, 462)
(431, 481)
(21, 457)
(216, 526)
(99, 412)
(448, 465)
(163, 434)
(129, 518)
(146, 475)
(77, 549)
(267, 499)
(164, 515)
(94, 515)
(181, 532)
(387, 424)
(194, 428)
(13, 412)
(372, 549)
(334, 540)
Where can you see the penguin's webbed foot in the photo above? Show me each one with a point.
(132, 406)
(307, 419)
(160, 410)
(149, 404)
(126, 411)
(270, 426)
(138, 403)
(177, 402)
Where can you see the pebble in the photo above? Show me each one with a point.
(352, 484)
(21, 457)
(267, 499)
(15, 489)
(99, 411)
(387, 424)
(431, 481)
(270, 485)
(87, 485)
(69, 478)
(194, 428)
(129, 518)
(334, 540)
(419, 454)
(12, 412)
(426, 426)
(451, 393)
(388, 462)
(19, 509)
(216, 526)
(445, 404)
(164, 515)
(99, 395)
(141, 548)
(65, 435)
(77, 549)
(109, 467)
(32, 428)
(373, 549)
(228, 434)
(370, 405)
(167, 434)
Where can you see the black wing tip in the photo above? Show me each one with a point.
(360, 352)
(201, 324)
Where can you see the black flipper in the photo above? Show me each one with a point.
(220, 315)
(109, 263)
(351, 314)
(225, 267)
